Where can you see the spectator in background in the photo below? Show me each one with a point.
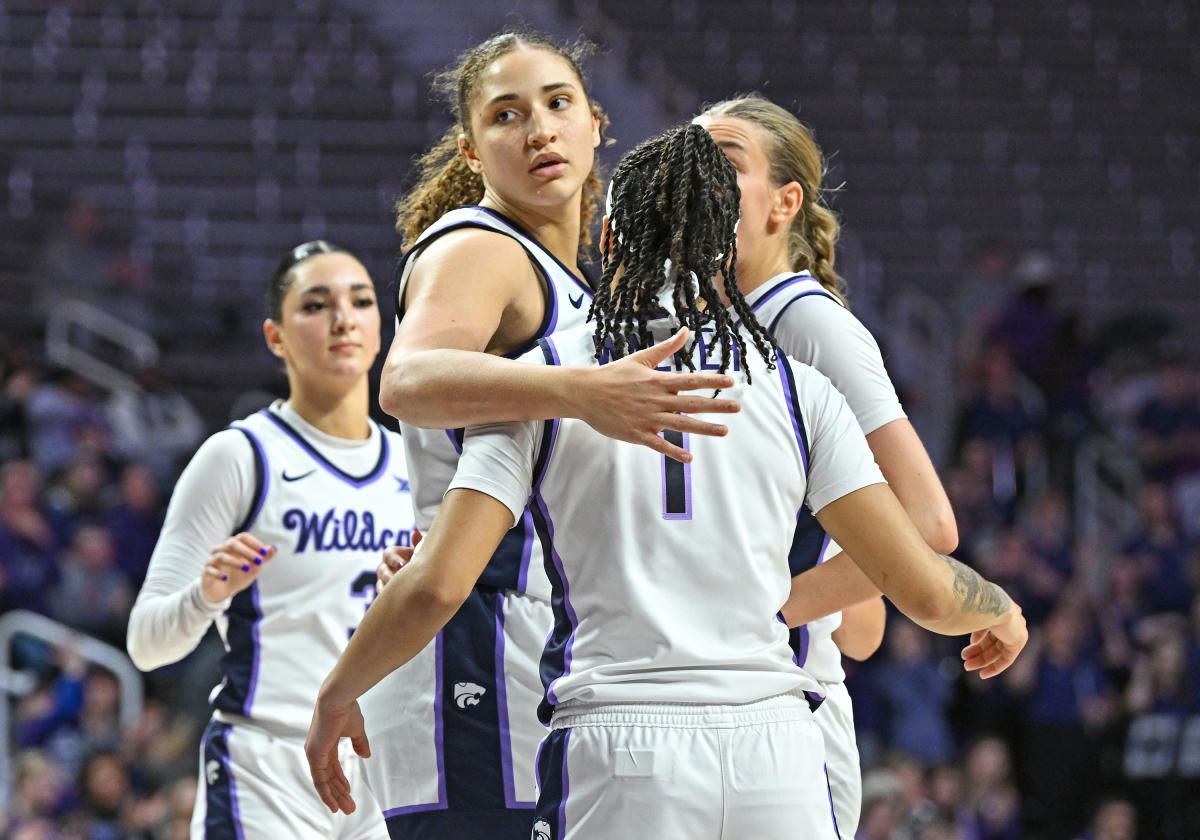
(1025, 324)
(882, 805)
(1161, 682)
(1168, 424)
(40, 791)
(72, 263)
(915, 695)
(93, 595)
(154, 424)
(1004, 414)
(64, 419)
(27, 542)
(1114, 819)
(990, 794)
(77, 497)
(1068, 703)
(1163, 551)
(136, 520)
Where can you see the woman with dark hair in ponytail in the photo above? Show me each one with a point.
(674, 702)
(493, 232)
(786, 244)
(272, 535)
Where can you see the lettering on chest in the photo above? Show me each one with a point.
(341, 530)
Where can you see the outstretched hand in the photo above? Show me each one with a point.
(329, 725)
(991, 651)
(629, 400)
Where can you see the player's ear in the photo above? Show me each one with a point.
(467, 150)
(786, 203)
(274, 337)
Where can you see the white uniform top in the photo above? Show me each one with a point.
(812, 325)
(328, 505)
(433, 453)
(668, 577)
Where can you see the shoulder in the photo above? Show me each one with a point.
(470, 252)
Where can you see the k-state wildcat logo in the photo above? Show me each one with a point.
(212, 771)
(468, 694)
(541, 830)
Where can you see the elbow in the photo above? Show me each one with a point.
(140, 654)
(941, 532)
(442, 595)
(394, 388)
(930, 609)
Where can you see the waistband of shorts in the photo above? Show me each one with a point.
(796, 705)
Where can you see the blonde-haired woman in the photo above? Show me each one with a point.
(786, 249)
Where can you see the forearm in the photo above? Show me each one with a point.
(402, 620)
(861, 630)
(164, 628)
(975, 604)
(837, 584)
(450, 389)
(423, 596)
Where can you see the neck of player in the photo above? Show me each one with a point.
(556, 228)
(339, 412)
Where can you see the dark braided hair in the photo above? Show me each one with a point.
(674, 197)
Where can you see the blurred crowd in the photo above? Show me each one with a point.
(1095, 733)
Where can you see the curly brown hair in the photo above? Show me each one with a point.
(444, 180)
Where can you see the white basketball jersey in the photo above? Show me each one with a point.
(285, 632)
(668, 577)
(433, 453)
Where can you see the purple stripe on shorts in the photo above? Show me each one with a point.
(510, 799)
(566, 788)
(802, 657)
(836, 831)
(233, 798)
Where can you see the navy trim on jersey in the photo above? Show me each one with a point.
(222, 817)
(776, 289)
(330, 467)
(808, 543)
(788, 378)
(784, 308)
(262, 480)
(534, 239)
(510, 788)
(239, 665)
(456, 438)
(556, 658)
(554, 784)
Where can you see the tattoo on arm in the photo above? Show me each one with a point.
(976, 594)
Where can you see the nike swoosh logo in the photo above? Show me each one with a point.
(576, 303)
(287, 477)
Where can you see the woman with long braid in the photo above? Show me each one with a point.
(492, 233)
(675, 705)
(786, 271)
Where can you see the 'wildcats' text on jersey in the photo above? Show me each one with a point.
(285, 632)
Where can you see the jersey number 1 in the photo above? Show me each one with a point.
(677, 480)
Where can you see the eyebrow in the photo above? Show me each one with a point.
(325, 290)
(509, 97)
(731, 144)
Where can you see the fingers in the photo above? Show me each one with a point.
(417, 536)
(683, 423)
(361, 746)
(989, 656)
(676, 382)
(659, 353)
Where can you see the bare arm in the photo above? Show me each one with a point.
(935, 591)
(906, 466)
(402, 620)
(472, 295)
(861, 631)
(836, 584)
